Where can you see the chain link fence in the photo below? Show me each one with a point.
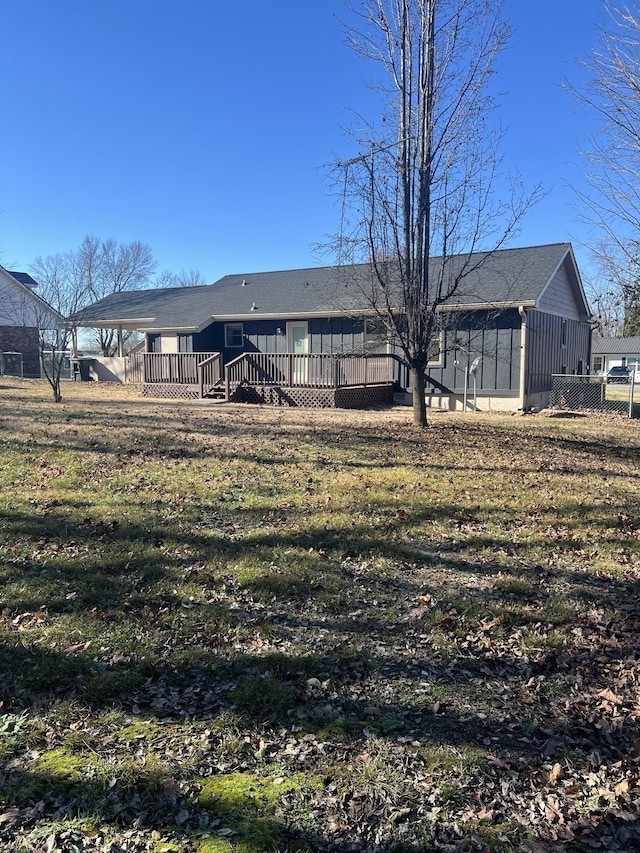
(11, 364)
(595, 393)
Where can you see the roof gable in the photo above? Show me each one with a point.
(21, 306)
(564, 293)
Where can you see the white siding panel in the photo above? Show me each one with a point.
(169, 343)
(16, 306)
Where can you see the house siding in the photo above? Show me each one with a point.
(336, 335)
(495, 339)
(559, 296)
(554, 345)
(326, 335)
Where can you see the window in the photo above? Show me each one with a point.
(375, 327)
(185, 343)
(154, 343)
(376, 335)
(233, 335)
(436, 348)
(598, 364)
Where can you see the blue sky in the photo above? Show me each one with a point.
(203, 128)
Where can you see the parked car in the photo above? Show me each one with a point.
(618, 374)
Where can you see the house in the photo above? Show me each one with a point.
(23, 314)
(519, 318)
(615, 352)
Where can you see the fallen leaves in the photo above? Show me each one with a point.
(435, 636)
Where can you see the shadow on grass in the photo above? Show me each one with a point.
(151, 801)
(269, 809)
(314, 639)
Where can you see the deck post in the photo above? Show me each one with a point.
(336, 373)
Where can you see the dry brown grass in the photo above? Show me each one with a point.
(235, 626)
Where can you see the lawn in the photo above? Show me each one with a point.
(230, 627)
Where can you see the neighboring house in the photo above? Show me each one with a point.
(22, 314)
(520, 318)
(615, 352)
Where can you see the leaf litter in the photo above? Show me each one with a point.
(370, 639)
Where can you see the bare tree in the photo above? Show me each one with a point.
(166, 278)
(421, 183)
(608, 308)
(614, 289)
(94, 270)
(57, 298)
(611, 205)
(191, 278)
(106, 266)
(185, 278)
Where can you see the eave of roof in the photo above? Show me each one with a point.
(488, 306)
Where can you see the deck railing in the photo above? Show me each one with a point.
(134, 367)
(210, 373)
(318, 370)
(174, 367)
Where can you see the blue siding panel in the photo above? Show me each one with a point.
(495, 338)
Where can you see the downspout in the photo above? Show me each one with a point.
(523, 355)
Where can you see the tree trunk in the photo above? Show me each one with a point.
(419, 401)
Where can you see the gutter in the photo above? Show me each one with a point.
(112, 323)
(523, 354)
(485, 306)
(289, 315)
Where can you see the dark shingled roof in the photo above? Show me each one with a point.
(23, 278)
(509, 276)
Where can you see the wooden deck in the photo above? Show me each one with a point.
(284, 379)
(181, 375)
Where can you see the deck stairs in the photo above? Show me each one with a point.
(215, 391)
